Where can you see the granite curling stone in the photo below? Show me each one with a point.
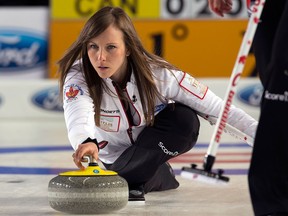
(89, 191)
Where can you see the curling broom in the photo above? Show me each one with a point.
(206, 174)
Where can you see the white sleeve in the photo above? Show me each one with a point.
(185, 89)
(78, 109)
(211, 105)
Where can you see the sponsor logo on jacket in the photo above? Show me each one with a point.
(48, 99)
(282, 97)
(21, 50)
(159, 108)
(166, 151)
(251, 95)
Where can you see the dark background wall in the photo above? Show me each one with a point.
(24, 2)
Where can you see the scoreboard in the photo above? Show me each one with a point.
(184, 32)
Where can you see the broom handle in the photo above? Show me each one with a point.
(235, 77)
(232, 131)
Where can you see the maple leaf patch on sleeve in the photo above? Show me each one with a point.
(71, 92)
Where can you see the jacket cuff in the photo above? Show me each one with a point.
(91, 140)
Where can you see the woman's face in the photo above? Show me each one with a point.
(108, 55)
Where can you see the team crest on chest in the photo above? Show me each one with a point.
(71, 92)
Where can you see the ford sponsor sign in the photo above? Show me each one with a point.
(251, 95)
(48, 99)
(21, 50)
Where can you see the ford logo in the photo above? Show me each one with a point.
(48, 99)
(21, 50)
(251, 95)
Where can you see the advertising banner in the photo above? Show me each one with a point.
(41, 100)
(23, 42)
(184, 32)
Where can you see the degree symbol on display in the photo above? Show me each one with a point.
(180, 32)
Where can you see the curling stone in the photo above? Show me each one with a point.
(89, 191)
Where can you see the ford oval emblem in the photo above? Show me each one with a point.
(251, 95)
(48, 99)
(21, 50)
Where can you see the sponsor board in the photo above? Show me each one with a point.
(21, 50)
(195, 9)
(251, 94)
(41, 99)
(145, 9)
(190, 45)
(184, 32)
(30, 99)
(24, 42)
(48, 99)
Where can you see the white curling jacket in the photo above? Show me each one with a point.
(114, 125)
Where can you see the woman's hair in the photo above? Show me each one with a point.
(139, 59)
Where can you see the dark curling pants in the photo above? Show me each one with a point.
(268, 173)
(174, 132)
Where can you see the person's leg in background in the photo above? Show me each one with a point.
(268, 173)
(264, 37)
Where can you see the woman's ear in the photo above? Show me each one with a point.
(127, 53)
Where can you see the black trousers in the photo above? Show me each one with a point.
(268, 173)
(175, 131)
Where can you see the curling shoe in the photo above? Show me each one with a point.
(136, 195)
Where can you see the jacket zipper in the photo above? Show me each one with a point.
(129, 130)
